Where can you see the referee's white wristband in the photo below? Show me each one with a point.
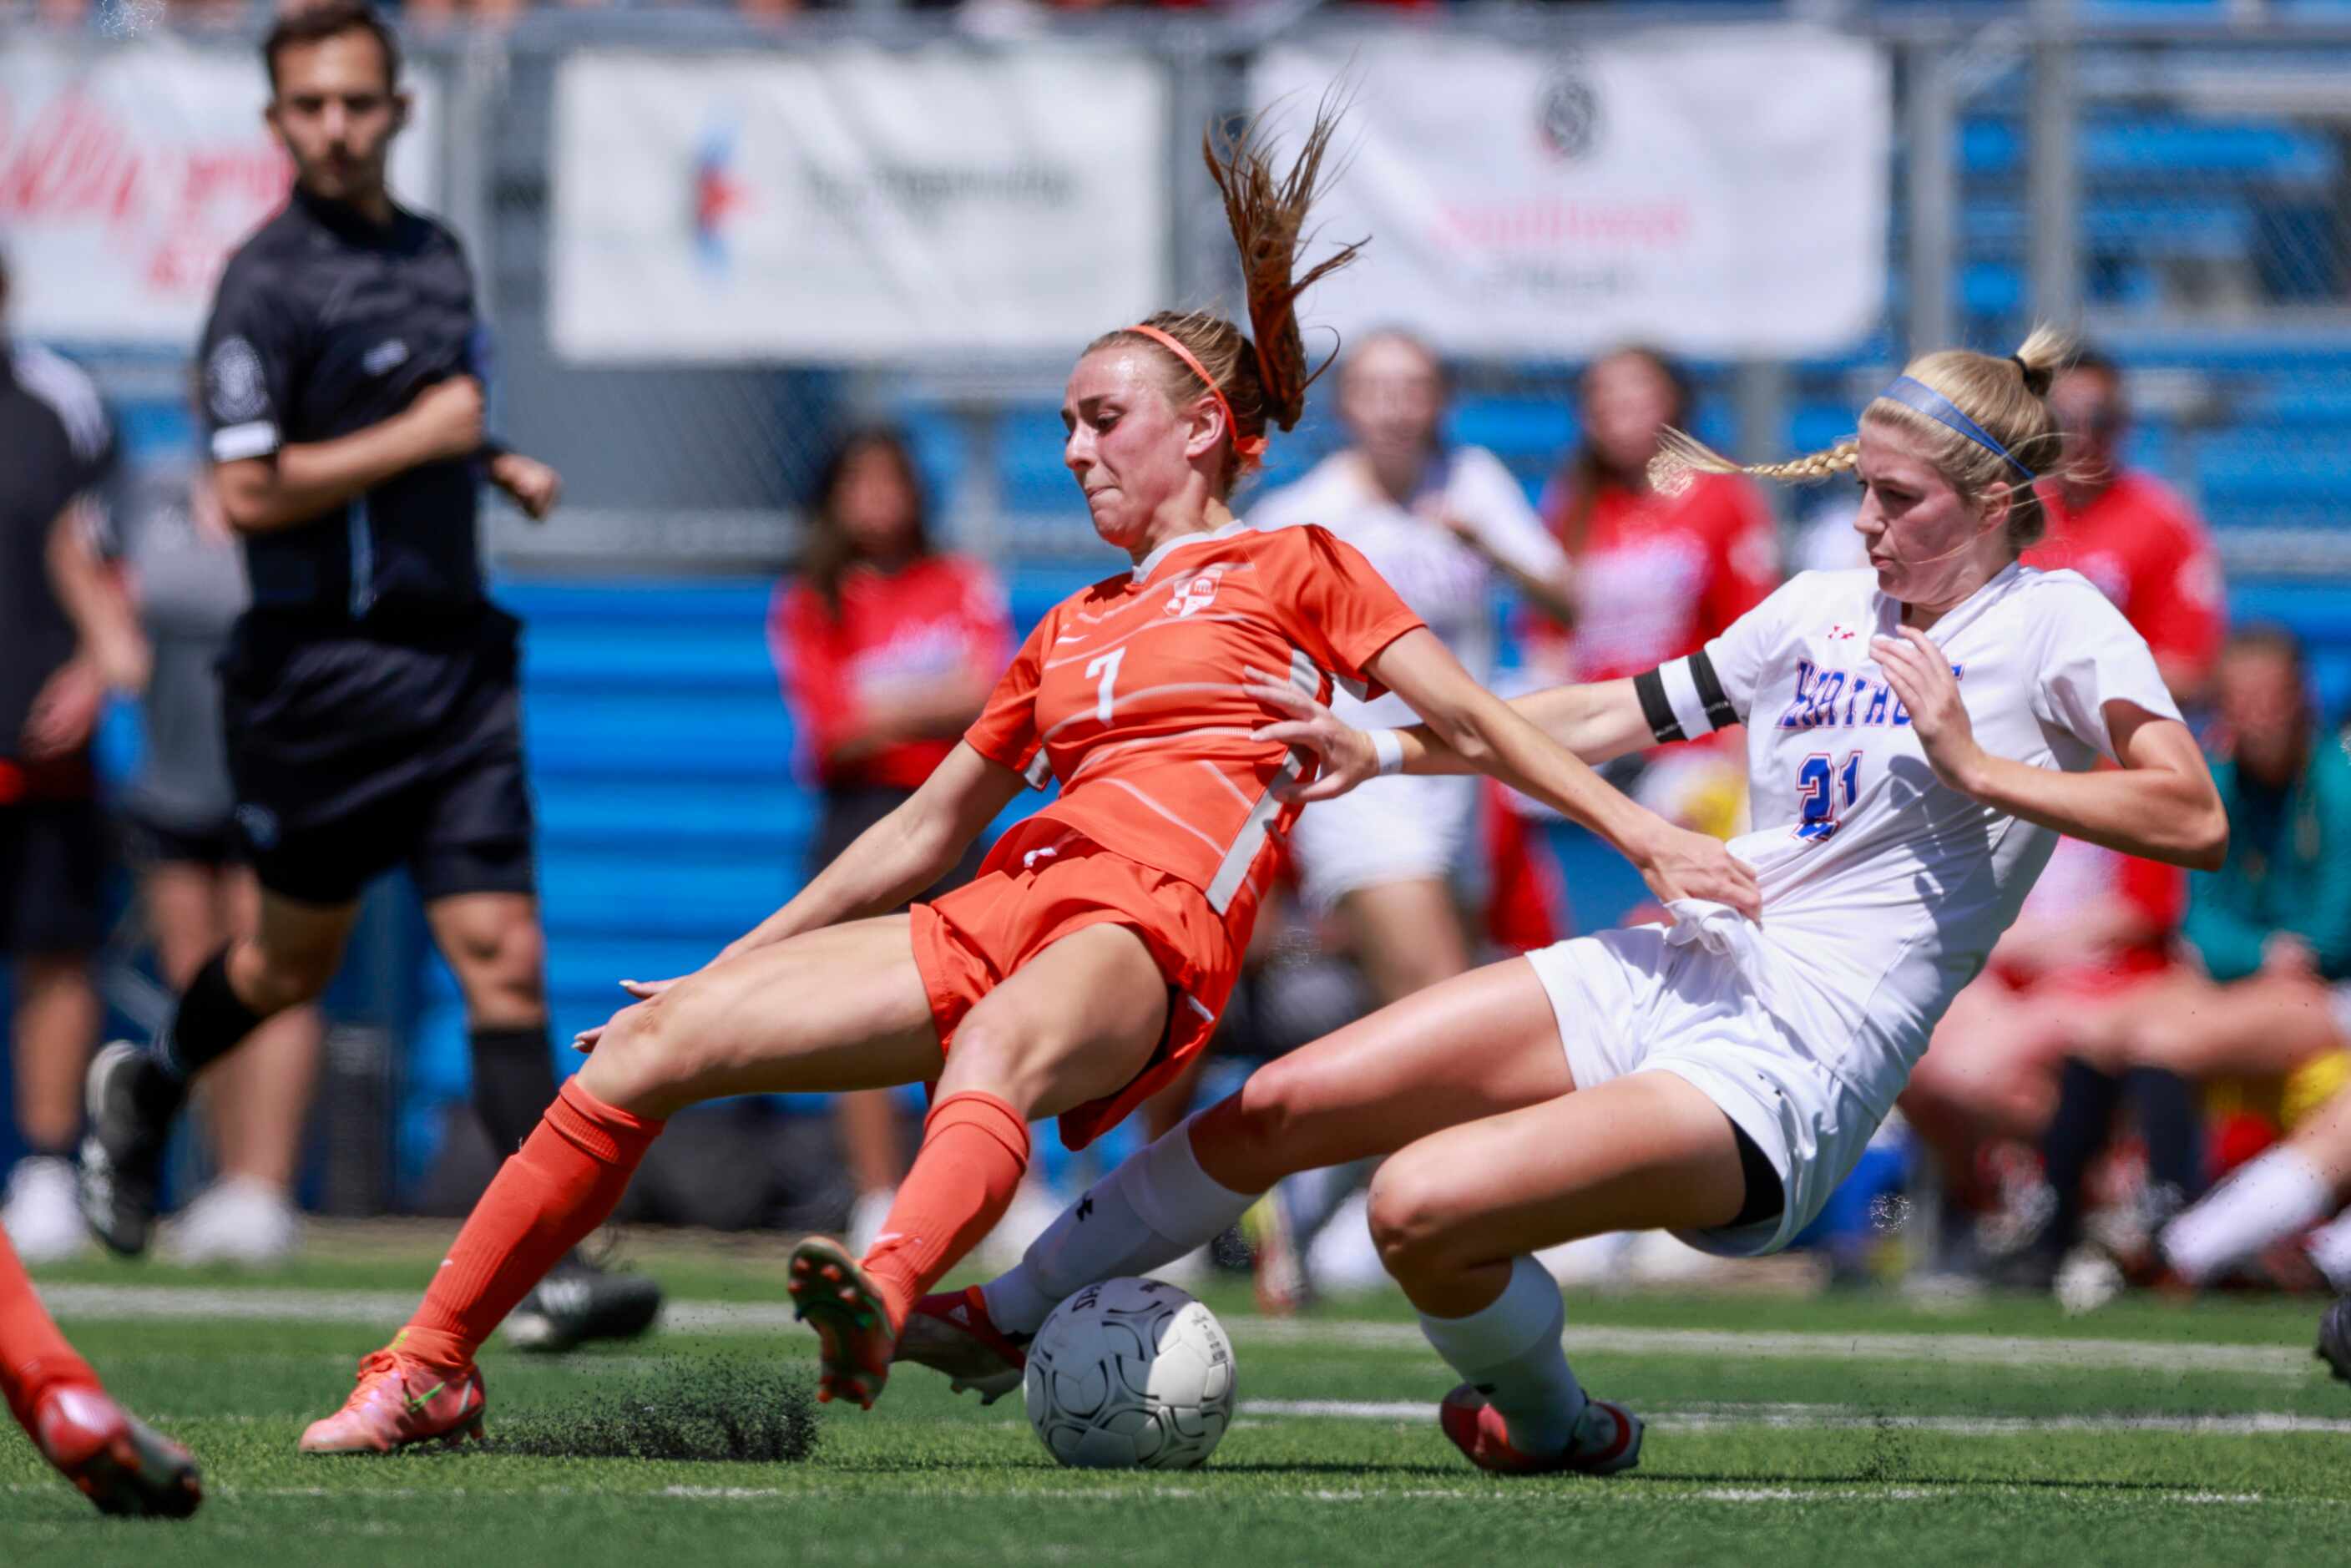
(1388, 746)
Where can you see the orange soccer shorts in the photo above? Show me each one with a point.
(967, 941)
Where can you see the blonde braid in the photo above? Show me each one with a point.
(1682, 457)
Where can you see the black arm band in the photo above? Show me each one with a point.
(1719, 714)
(1650, 687)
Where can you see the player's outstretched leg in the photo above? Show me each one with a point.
(116, 1461)
(565, 1182)
(1469, 1047)
(1456, 1213)
(975, 1151)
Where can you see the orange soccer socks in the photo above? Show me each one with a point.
(975, 1151)
(34, 1356)
(565, 1182)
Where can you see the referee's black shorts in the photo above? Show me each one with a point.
(356, 749)
(54, 857)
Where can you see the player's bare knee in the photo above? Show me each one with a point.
(280, 979)
(1411, 1210)
(641, 1057)
(1001, 1056)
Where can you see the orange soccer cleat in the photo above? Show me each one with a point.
(1607, 1438)
(952, 1333)
(119, 1463)
(832, 1293)
(401, 1400)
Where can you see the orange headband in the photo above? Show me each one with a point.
(1249, 447)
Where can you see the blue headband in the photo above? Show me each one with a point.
(1911, 393)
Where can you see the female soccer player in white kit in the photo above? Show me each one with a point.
(1918, 734)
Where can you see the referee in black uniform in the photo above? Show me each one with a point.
(369, 695)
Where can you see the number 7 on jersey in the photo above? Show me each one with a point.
(1108, 665)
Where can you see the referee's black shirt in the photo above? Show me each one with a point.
(325, 324)
(56, 445)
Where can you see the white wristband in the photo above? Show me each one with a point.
(1388, 746)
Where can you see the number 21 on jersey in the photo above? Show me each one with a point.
(1825, 791)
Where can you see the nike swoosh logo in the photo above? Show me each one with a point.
(419, 1401)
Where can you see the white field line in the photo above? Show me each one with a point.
(1953, 1492)
(387, 1309)
(1826, 1417)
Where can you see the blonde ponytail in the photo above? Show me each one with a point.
(2005, 399)
(1682, 457)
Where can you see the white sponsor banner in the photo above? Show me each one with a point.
(128, 173)
(1719, 191)
(855, 203)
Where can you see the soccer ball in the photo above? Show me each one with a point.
(1130, 1374)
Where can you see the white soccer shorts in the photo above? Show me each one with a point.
(1641, 999)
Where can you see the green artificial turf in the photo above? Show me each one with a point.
(1858, 1428)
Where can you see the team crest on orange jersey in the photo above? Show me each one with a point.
(1194, 594)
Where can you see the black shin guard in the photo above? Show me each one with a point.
(514, 1081)
(210, 1022)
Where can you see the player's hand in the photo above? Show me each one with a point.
(1678, 863)
(646, 990)
(65, 711)
(1921, 676)
(447, 418)
(533, 486)
(1343, 751)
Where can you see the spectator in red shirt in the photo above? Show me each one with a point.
(1655, 576)
(888, 649)
(2128, 533)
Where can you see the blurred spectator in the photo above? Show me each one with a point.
(66, 636)
(187, 577)
(2128, 533)
(1447, 525)
(2095, 926)
(1655, 575)
(2273, 930)
(888, 648)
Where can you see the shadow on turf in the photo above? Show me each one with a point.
(719, 1411)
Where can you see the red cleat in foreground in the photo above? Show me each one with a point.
(119, 1463)
(401, 1400)
(1607, 1439)
(952, 1333)
(833, 1295)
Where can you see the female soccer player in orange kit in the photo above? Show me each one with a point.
(1087, 963)
(116, 1461)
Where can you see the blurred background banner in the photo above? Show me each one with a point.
(1719, 192)
(128, 171)
(855, 203)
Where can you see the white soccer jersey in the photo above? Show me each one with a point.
(1883, 889)
(1448, 584)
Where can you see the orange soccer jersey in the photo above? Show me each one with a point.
(1129, 694)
